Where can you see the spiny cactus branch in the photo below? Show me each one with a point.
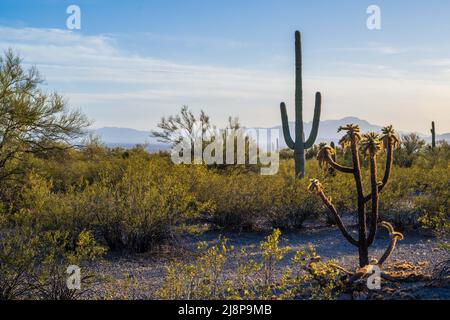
(374, 197)
(337, 166)
(387, 171)
(315, 185)
(394, 237)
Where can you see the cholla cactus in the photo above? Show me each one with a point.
(390, 137)
(325, 152)
(371, 145)
(315, 186)
(300, 144)
(334, 148)
(353, 135)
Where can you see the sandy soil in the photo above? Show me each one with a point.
(147, 271)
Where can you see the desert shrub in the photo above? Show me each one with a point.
(95, 187)
(397, 200)
(17, 258)
(50, 211)
(145, 207)
(203, 279)
(221, 272)
(246, 202)
(289, 206)
(437, 157)
(312, 278)
(238, 199)
(67, 167)
(286, 154)
(33, 262)
(417, 197)
(433, 200)
(49, 280)
(411, 148)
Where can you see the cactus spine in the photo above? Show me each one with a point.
(300, 145)
(433, 135)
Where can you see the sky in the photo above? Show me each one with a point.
(132, 62)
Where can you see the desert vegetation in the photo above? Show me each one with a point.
(299, 145)
(65, 203)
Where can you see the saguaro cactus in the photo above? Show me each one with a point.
(433, 135)
(369, 144)
(300, 145)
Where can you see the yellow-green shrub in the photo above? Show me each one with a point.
(33, 261)
(221, 272)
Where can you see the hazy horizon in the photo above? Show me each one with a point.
(428, 134)
(132, 63)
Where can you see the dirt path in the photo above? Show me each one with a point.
(147, 271)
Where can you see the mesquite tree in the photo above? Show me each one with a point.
(31, 120)
(370, 145)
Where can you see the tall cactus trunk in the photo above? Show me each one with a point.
(299, 150)
(362, 219)
(433, 135)
(300, 145)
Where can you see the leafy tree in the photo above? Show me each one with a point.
(412, 143)
(184, 125)
(31, 120)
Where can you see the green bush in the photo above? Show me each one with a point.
(249, 202)
(145, 207)
(221, 272)
(33, 262)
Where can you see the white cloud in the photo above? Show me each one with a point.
(435, 62)
(119, 88)
(375, 48)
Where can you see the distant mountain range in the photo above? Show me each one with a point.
(328, 130)
(127, 138)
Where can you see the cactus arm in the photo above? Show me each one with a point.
(334, 147)
(374, 198)
(387, 172)
(394, 237)
(287, 134)
(339, 167)
(337, 218)
(316, 121)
